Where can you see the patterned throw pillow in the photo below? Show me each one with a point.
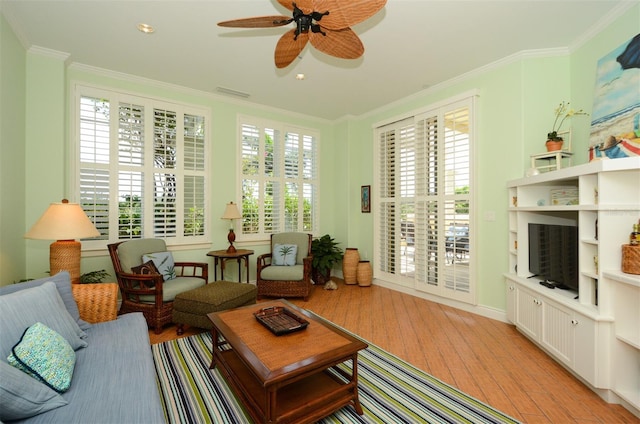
(163, 262)
(285, 254)
(146, 268)
(45, 355)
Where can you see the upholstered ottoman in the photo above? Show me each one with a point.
(191, 307)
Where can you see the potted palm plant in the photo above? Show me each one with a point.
(326, 253)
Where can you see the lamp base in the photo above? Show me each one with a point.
(231, 237)
(64, 255)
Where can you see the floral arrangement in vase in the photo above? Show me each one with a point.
(562, 112)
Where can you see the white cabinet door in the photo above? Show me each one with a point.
(558, 331)
(584, 360)
(528, 313)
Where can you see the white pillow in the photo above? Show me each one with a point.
(164, 263)
(284, 254)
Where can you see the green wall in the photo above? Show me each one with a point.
(12, 155)
(515, 106)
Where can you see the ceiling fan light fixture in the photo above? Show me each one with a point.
(300, 77)
(146, 28)
(326, 24)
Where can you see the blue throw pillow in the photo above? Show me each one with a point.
(22, 309)
(284, 254)
(22, 396)
(45, 355)
(164, 263)
(62, 281)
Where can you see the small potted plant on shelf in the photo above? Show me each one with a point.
(562, 112)
(326, 253)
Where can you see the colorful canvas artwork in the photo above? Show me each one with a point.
(615, 125)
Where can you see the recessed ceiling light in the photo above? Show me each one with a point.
(300, 77)
(147, 29)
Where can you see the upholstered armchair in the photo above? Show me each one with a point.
(149, 279)
(283, 273)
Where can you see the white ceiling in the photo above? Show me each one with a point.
(409, 45)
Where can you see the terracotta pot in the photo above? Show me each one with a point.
(553, 145)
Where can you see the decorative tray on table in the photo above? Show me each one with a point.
(279, 320)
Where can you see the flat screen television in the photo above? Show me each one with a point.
(553, 254)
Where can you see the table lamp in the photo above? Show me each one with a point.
(231, 212)
(64, 222)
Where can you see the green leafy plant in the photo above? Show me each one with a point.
(562, 112)
(94, 277)
(326, 253)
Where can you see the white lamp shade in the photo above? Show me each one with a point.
(63, 221)
(231, 212)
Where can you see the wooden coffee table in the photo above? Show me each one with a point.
(285, 379)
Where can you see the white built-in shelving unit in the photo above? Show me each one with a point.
(595, 331)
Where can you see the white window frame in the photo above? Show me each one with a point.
(312, 182)
(115, 97)
(415, 282)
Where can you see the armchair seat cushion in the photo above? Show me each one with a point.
(283, 273)
(172, 288)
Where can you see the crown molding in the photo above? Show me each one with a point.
(514, 58)
(618, 11)
(53, 54)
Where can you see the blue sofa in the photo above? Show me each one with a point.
(114, 378)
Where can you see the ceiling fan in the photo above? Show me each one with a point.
(326, 23)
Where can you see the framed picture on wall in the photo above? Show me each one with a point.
(365, 199)
(615, 124)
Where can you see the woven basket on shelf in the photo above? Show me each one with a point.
(96, 302)
(630, 259)
(350, 265)
(364, 273)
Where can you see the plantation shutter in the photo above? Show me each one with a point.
(457, 197)
(424, 220)
(94, 172)
(194, 175)
(141, 169)
(279, 175)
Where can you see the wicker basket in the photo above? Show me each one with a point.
(350, 265)
(96, 302)
(630, 259)
(364, 273)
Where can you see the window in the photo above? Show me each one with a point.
(279, 177)
(141, 167)
(424, 213)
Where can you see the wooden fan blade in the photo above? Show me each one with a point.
(288, 49)
(344, 14)
(305, 5)
(257, 22)
(343, 43)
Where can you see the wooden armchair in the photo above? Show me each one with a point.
(148, 293)
(286, 281)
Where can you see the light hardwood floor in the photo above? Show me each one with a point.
(487, 359)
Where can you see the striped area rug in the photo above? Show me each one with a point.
(390, 390)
